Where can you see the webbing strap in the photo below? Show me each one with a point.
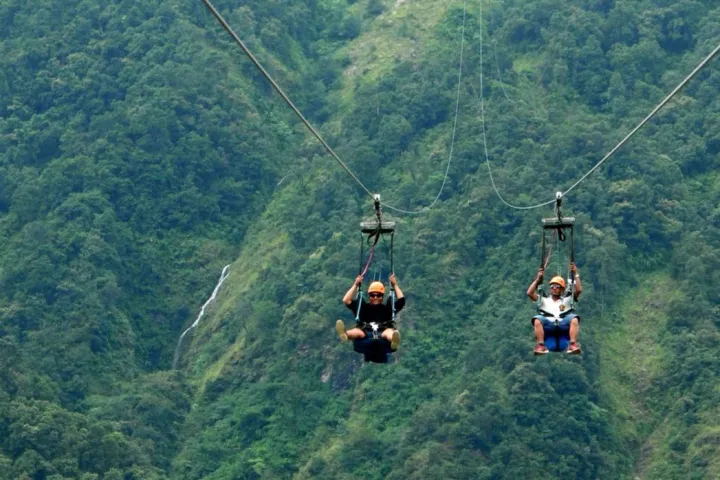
(369, 261)
(392, 272)
(362, 273)
(359, 300)
(392, 296)
(545, 261)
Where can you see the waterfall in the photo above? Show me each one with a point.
(223, 276)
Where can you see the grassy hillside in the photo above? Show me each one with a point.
(463, 398)
(140, 152)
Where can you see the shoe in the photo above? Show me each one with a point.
(395, 340)
(573, 349)
(340, 329)
(541, 349)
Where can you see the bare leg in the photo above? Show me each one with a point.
(387, 334)
(355, 334)
(539, 331)
(392, 336)
(574, 329)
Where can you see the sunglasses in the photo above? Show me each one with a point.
(555, 285)
(375, 295)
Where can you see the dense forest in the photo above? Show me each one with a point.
(140, 152)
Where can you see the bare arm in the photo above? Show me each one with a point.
(398, 293)
(532, 289)
(578, 286)
(347, 299)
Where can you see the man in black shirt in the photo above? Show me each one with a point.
(374, 311)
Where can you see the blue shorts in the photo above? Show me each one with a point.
(557, 336)
(549, 325)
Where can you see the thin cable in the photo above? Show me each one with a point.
(279, 90)
(502, 87)
(484, 133)
(497, 67)
(647, 119)
(455, 122)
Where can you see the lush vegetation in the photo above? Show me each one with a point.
(140, 152)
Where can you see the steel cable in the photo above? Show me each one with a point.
(280, 91)
(611, 153)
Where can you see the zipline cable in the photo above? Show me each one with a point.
(611, 153)
(484, 132)
(279, 90)
(652, 114)
(455, 122)
(317, 135)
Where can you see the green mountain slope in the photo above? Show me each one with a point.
(464, 399)
(140, 152)
(131, 165)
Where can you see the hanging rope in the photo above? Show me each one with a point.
(497, 68)
(455, 122)
(332, 153)
(484, 131)
(317, 135)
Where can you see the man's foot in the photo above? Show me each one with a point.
(540, 349)
(340, 329)
(395, 340)
(573, 349)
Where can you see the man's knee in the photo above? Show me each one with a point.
(537, 321)
(355, 333)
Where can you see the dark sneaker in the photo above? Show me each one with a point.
(395, 340)
(540, 349)
(340, 329)
(573, 349)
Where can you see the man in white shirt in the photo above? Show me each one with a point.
(555, 312)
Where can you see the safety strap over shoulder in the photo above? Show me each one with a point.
(547, 306)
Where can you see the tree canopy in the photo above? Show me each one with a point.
(140, 152)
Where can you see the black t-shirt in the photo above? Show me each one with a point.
(380, 314)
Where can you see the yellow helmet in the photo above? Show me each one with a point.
(376, 287)
(559, 280)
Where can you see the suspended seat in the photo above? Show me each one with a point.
(558, 223)
(373, 226)
(557, 325)
(373, 347)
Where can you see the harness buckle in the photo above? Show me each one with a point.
(375, 327)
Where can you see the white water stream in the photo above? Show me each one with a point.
(223, 276)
